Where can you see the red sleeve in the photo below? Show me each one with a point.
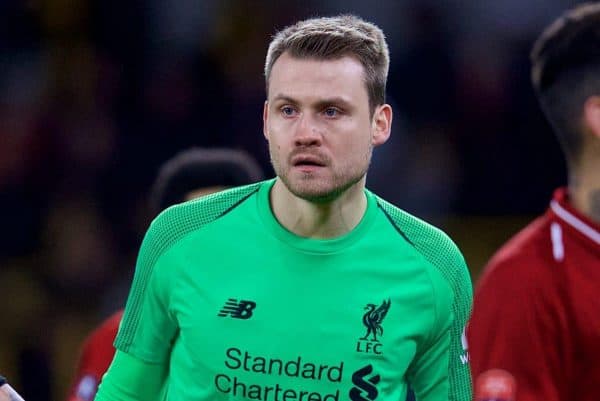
(515, 327)
(96, 355)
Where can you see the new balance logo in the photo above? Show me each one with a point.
(237, 309)
(365, 390)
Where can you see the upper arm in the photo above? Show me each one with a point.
(458, 364)
(440, 370)
(149, 325)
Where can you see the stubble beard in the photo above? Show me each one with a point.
(318, 189)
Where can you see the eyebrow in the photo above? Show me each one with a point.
(281, 97)
(336, 100)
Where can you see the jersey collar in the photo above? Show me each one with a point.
(563, 211)
(312, 245)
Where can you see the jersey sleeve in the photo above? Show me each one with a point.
(440, 369)
(131, 379)
(514, 328)
(428, 373)
(149, 325)
(462, 304)
(96, 354)
(442, 357)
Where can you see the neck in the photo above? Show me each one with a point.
(319, 220)
(584, 189)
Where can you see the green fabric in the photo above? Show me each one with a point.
(240, 308)
(132, 379)
(443, 254)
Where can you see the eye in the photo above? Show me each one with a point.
(331, 112)
(288, 111)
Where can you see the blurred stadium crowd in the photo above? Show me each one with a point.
(95, 95)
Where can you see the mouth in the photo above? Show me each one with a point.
(308, 161)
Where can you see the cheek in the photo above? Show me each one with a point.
(357, 144)
(276, 133)
(274, 142)
(275, 147)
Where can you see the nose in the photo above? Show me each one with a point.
(307, 133)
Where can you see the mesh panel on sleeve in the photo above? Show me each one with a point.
(441, 252)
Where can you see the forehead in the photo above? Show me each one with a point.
(302, 77)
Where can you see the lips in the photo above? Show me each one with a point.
(307, 160)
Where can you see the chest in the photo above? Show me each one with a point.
(310, 320)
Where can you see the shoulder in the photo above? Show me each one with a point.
(419, 233)
(522, 261)
(179, 220)
(432, 243)
(199, 212)
(519, 284)
(518, 287)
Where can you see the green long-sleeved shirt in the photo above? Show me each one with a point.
(227, 304)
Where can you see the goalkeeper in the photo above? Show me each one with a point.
(233, 290)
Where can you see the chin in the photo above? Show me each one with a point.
(318, 196)
(317, 192)
(308, 189)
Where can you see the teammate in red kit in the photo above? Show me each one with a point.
(536, 314)
(188, 175)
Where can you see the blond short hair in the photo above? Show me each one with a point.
(335, 37)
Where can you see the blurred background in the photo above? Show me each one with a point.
(96, 94)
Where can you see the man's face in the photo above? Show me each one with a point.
(320, 130)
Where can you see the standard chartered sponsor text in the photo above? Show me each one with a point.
(306, 372)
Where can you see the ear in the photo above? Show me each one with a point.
(381, 124)
(266, 119)
(591, 115)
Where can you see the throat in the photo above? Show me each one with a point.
(320, 220)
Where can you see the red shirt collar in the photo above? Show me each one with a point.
(564, 211)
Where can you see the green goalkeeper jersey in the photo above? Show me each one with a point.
(226, 304)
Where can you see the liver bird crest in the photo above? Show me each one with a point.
(372, 319)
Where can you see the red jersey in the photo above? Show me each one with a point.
(96, 355)
(536, 310)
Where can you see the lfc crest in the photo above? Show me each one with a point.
(373, 319)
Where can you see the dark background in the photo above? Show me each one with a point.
(96, 94)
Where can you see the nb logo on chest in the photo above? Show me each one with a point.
(237, 309)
